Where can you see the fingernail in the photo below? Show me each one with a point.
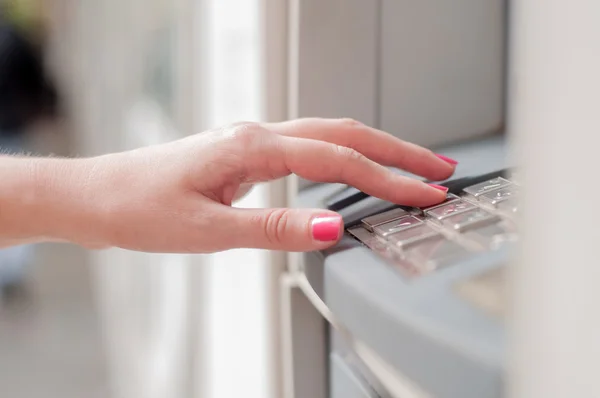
(447, 159)
(441, 188)
(327, 228)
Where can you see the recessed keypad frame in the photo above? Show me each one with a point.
(422, 240)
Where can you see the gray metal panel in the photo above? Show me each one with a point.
(306, 345)
(340, 347)
(444, 344)
(345, 383)
(337, 59)
(442, 70)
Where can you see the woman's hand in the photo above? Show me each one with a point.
(177, 197)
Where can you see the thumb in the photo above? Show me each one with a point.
(295, 230)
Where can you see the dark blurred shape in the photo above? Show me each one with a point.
(26, 96)
(26, 92)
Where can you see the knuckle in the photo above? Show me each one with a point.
(244, 124)
(246, 132)
(275, 225)
(349, 154)
(349, 122)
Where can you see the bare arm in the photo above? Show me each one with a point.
(46, 199)
(176, 197)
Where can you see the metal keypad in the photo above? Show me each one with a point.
(509, 206)
(450, 198)
(450, 209)
(426, 239)
(413, 235)
(373, 242)
(485, 187)
(500, 195)
(382, 218)
(469, 219)
(433, 254)
(395, 226)
(491, 236)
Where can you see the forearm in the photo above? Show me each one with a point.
(46, 199)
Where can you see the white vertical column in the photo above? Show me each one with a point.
(555, 119)
(234, 355)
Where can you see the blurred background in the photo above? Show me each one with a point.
(86, 77)
(80, 78)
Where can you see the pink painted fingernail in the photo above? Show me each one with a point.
(447, 159)
(441, 188)
(326, 228)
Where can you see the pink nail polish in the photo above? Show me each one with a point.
(447, 159)
(441, 188)
(326, 228)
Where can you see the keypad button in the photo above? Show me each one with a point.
(375, 243)
(360, 233)
(469, 219)
(420, 240)
(382, 218)
(491, 236)
(510, 206)
(396, 226)
(449, 199)
(413, 235)
(450, 209)
(437, 253)
(484, 187)
(386, 250)
(500, 195)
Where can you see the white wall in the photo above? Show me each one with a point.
(555, 351)
(244, 79)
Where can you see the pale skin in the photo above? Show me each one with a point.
(176, 197)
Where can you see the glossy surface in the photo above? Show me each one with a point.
(484, 187)
(382, 218)
(438, 236)
(396, 226)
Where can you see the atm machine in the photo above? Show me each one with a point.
(410, 302)
(413, 302)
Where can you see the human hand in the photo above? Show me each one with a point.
(176, 197)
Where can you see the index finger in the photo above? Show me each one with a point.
(377, 145)
(324, 162)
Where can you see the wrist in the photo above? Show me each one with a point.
(48, 199)
(16, 200)
(71, 201)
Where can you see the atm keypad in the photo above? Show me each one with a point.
(396, 226)
(422, 240)
(450, 209)
(491, 236)
(450, 198)
(469, 219)
(510, 206)
(480, 189)
(437, 253)
(413, 235)
(500, 195)
(374, 242)
(371, 222)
